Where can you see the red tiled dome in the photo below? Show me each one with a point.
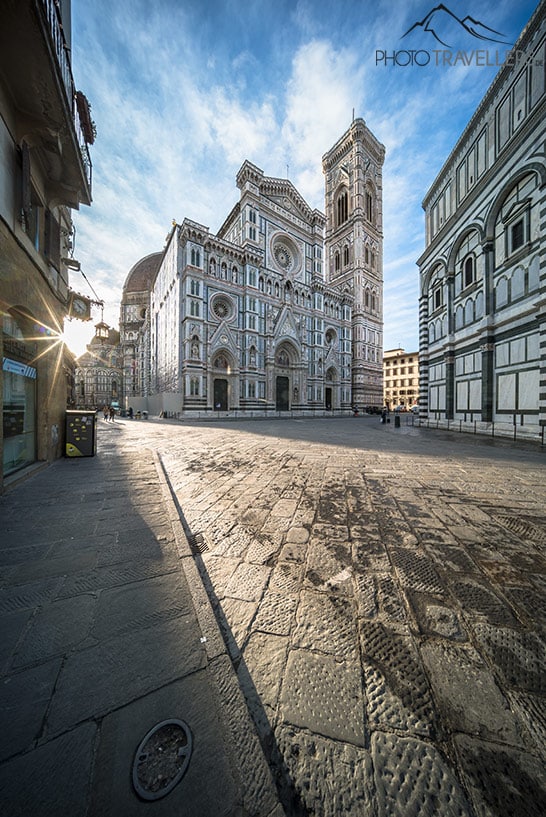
(142, 275)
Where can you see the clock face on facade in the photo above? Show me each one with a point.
(80, 307)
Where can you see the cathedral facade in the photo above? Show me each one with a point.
(281, 310)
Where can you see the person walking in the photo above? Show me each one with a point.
(112, 413)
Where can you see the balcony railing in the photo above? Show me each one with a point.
(60, 47)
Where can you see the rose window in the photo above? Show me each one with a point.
(283, 256)
(222, 308)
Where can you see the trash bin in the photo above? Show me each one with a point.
(397, 421)
(81, 433)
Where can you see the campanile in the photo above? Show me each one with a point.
(354, 249)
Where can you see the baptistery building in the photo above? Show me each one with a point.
(281, 310)
(483, 273)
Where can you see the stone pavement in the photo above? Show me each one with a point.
(106, 632)
(382, 594)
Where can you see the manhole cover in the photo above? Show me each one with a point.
(162, 759)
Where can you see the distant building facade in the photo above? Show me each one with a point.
(134, 329)
(483, 272)
(272, 313)
(99, 373)
(45, 172)
(400, 378)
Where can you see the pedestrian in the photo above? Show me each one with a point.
(112, 413)
(130, 412)
(384, 415)
(105, 411)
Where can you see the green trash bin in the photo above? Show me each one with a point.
(397, 421)
(81, 433)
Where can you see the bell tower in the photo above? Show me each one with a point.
(354, 249)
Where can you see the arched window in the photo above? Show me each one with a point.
(468, 271)
(336, 262)
(369, 206)
(277, 290)
(220, 362)
(261, 285)
(366, 256)
(346, 256)
(342, 208)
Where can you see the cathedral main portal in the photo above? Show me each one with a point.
(283, 394)
(220, 394)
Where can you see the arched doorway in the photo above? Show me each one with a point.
(220, 381)
(285, 358)
(220, 394)
(282, 392)
(329, 390)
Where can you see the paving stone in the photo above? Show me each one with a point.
(97, 680)
(389, 600)
(324, 695)
(247, 582)
(324, 777)
(261, 549)
(286, 578)
(397, 691)
(276, 613)
(24, 700)
(416, 571)
(519, 657)
(412, 778)
(529, 603)
(260, 673)
(326, 623)
(466, 693)
(56, 629)
(368, 550)
(56, 777)
(121, 733)
(532, 711)
(121, 609)
(12, 626)
(435, 618)
(115, 576)
(452, 558)
(234, 617)
(216, 572)
(29, 595)
(502, 781)
(477, 599)
(259, 793)
(327, 562)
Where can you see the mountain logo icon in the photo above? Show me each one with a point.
(443, 25)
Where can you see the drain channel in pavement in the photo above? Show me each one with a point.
(162, 759)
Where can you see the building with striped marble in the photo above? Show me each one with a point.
(281, 310)
(483, 273)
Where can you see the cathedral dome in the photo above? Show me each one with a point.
(142, 276)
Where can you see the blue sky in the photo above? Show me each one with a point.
(183, 91)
